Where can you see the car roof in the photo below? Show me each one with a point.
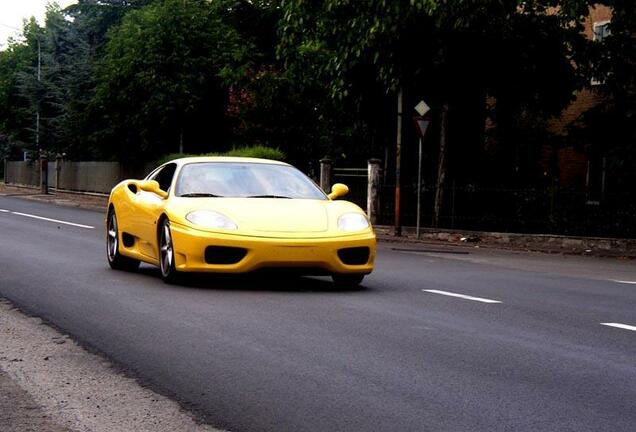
(199, 159)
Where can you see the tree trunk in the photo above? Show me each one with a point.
(441, 167)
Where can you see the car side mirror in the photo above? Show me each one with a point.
(152, 186)
(338, 190)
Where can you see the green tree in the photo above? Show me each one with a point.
(94, 18)
(161, 80)
(17, 113)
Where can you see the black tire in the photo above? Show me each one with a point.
(115, 259)
(347, 280)
(169, 273)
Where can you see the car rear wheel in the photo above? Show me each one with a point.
(169, 274)
(347, 280)
(115, 259)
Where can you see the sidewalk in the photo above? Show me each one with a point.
(68, 199)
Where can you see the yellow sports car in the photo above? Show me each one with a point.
(236, 215)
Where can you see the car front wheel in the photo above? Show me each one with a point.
(169, 273)
(115, 259)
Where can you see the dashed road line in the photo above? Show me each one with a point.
(4, 211)
(53, 220)
(624, 282)
(462, 296)
(621, 326)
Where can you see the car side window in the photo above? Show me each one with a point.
(164, 176)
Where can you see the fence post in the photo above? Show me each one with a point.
(325, 174)
(373, 189)
(58, 170)
(44, 175)
(4, 173)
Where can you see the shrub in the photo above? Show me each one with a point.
(257, 151)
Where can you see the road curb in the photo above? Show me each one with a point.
(84, 200)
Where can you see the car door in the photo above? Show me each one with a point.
(149, 207)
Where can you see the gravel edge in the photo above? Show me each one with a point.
(63, 387)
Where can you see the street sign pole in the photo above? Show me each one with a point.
(421, 124)
(419, 189)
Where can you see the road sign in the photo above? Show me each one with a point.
(422, 108)
(422, 125)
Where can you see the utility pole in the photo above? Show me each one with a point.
(44, 163)
(398, 157)
(37, 113)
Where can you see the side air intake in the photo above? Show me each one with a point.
(354, 255)
(224, 254)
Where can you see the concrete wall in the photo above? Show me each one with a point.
(76, 176)
(22, 173)
(86, 176)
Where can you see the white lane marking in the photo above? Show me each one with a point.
(619, 325)
(4, 211)
(53, 220)
(463, 296)
(624, 282)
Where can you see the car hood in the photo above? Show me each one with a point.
(276, 217)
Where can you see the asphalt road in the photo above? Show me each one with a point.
(259, 354)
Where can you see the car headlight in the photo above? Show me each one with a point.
(352, 222)
(211, 219)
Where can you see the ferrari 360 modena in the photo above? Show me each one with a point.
(237, 215)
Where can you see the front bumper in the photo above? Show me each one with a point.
(311, 255)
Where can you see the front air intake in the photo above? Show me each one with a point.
(354, 255)
(224, 254)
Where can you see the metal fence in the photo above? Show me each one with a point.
(524, 210)
(356, 179)
(529, 210)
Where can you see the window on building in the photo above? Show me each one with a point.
(600, 30)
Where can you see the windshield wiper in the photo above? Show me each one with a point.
(200, 195)
(268, 196)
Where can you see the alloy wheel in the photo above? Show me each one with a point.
(112, 239)
(166, 250)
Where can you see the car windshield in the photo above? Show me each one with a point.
(245, 180)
